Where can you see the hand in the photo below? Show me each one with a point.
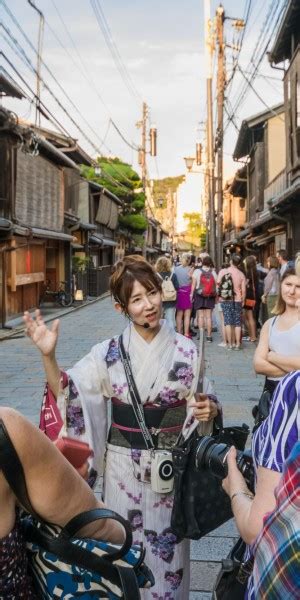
(45, 339)
(234, 481)
(263, 299)
(205, 409)
(83, 471)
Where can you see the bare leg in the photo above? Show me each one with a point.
(251, 325)
(222, 326)
(238, 333)
(46, 469)
(200, 319)
(228, 334)
(179, 318)
(208, 321)
(187, 318)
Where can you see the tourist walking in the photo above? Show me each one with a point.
(170, 286)
(231, 284)
(271, 285)
(251, 296)
(183, 273)
(203, 294)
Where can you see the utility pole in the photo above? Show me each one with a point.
(39, 61)
(210, 135)
(220, 17)
(143, 146)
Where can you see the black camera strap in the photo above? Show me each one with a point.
(135, 397)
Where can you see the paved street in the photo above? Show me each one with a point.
(22, 379)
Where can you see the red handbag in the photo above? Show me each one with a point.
(250, 303)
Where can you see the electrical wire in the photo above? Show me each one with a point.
(84, 69)
(258, 95)
(259, 54)
(108, 38)
(104, 174)
(29, 64)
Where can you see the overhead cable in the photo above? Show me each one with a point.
(108, 38)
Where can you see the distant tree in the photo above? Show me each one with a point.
(120, 178)
(195, 227)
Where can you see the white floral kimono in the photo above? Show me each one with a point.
(165, 370)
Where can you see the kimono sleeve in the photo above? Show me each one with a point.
(87, 390)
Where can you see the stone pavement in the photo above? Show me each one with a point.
(22, 380)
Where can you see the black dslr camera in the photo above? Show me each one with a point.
(213, 456)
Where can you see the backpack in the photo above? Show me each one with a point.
(169, 293)
(225, 287)
(207, 285)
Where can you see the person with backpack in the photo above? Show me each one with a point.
(169, 287)
(204, 294)
(232, 292)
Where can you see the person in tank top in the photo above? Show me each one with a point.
(278, 351)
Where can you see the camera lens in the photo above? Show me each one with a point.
(165, 470)
(213, 456)
(201, 450)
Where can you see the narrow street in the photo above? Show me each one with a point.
(22, 380)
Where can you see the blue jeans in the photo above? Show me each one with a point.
(169, 315)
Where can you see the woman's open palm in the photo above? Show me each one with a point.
(45, 339)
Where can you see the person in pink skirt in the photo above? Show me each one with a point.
(184, 304)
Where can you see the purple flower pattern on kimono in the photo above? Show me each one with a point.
(162, 544)
(113, 352)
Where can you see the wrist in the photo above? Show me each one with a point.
(245, 493)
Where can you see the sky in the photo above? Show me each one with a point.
(161, 43)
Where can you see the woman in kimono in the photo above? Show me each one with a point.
(166, 370)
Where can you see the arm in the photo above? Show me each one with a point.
(243, 289)
(249, 513)
(175, 281)
(194, 285)
(285, 363)
(46, 469)
(268, 282)
(260, 362)
(45, 340)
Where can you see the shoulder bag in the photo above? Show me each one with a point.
(200, 503)
(63, 565)
(233, 577)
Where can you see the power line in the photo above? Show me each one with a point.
(27, 61)
(258, 48)
(84, 69)
(108, 38)
(134, 147)
(258, 95)
(107, 175)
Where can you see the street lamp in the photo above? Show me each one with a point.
(189, 161)
(97, 170)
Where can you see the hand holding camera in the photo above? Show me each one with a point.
(234, 481)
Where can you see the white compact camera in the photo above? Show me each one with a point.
(162, 472)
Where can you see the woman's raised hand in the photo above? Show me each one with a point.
(45, 339)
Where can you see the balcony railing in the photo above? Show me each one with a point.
(275, 188)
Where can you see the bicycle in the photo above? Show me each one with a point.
(60, 296)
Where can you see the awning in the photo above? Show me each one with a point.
(5, 224)
(109, 242)
(53, 235)
(96, 240)
(77, 246)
